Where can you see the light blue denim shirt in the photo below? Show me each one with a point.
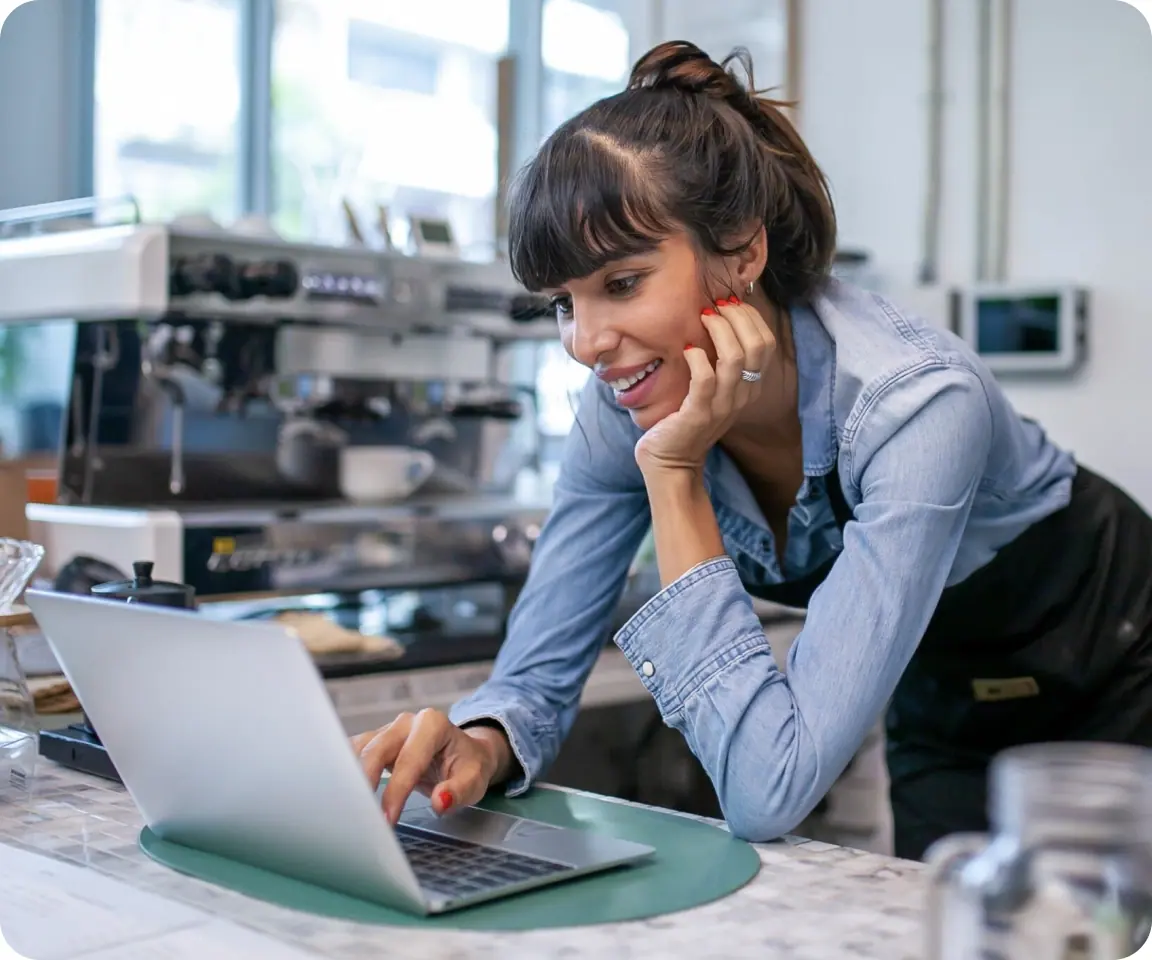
(939, 472)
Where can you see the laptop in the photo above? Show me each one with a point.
(227, 740)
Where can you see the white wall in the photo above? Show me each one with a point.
(1081, 200)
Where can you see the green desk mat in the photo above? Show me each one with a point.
(694, 863)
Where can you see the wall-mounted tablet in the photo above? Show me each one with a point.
(1025, 329)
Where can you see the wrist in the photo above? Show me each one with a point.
(678, 482)
(672, 475)
(496, 749)
(683, 522)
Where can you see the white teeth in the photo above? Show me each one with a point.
(627, 383)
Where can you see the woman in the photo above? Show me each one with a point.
(788, 436)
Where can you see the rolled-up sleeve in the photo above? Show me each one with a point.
(773, 742)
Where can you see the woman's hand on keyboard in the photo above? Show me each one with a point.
(429, 753)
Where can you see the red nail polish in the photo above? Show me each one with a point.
(721, 303)
(734, 300)
(708, 312)
(446, 799)
(687, 348)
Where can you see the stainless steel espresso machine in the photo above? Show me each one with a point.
(218, 383)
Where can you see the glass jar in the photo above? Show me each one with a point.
(1066, 873)
(19, 727)
(18, 561)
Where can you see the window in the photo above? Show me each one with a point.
(586, 56)
(386, 105)
(167, 103)
(377, 59)
(585, 48)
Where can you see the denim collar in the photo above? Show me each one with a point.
(816, 370)
(816, 373)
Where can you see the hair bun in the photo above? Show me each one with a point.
(681, 65)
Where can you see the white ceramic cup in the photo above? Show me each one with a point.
(378, 474)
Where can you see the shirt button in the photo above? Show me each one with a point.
(647, 669)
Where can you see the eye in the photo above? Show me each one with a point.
(622, 286)
(561, 305)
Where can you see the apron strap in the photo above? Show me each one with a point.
(840, 509)
(798, 592)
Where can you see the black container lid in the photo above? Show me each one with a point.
(143, 589)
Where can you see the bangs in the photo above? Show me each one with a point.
(582, 203)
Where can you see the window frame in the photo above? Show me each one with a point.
(256, 187)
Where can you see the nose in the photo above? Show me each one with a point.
(593, 337)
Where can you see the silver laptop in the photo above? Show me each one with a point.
(225, 737)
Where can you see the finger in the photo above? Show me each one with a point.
(383, 746)
(729, 361)
(425, 740)
(361, 740)
(701, 385)
(465, 787)
(754, 335)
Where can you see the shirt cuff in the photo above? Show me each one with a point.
(525, 747)
(694, 628)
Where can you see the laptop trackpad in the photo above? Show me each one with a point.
(576, 848)
(477, 826)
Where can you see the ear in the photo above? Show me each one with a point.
(751, 262)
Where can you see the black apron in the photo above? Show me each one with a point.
(1051, 640)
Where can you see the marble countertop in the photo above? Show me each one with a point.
(810, 901)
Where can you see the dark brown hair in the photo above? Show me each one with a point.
(687, 146)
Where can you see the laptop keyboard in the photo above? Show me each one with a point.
(455, 868)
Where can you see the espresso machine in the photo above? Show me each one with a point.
(219, 385)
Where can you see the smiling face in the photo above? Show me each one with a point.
(630, 321)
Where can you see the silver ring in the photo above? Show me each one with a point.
(750, 376)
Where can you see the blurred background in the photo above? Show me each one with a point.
(968, 142)
(964, 139)
(290, 108)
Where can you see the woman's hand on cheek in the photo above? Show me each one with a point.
(716, 395)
